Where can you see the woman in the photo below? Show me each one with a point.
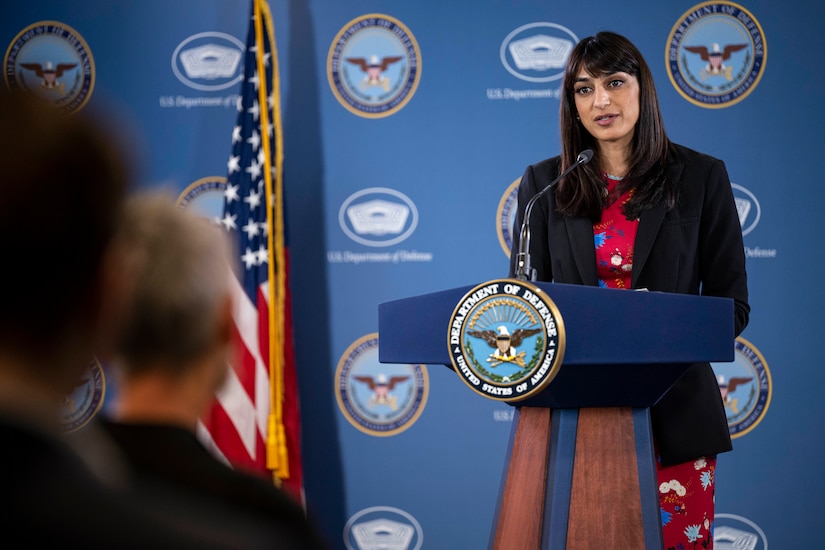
(644, 213)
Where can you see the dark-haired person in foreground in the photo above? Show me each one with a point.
(171, 356)
(644, 213)
(63, 185)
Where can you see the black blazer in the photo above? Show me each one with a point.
(694, 248)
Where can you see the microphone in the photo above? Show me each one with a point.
(523, 268)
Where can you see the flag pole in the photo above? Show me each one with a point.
(276, 445)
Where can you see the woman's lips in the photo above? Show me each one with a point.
(606, 120)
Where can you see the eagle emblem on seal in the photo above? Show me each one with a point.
(504, 344)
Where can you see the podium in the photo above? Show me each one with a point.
(580, 471)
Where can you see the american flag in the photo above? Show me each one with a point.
(255, 422)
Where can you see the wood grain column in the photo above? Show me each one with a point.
(522, 502)
(605, 503)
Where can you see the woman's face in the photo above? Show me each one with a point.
(608, 106)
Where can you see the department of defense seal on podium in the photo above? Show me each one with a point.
(506, 339)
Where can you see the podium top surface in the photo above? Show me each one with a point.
(603, 326)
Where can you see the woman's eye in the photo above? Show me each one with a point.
(616, 82)
(583, 90)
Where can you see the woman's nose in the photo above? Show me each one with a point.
(602, 98)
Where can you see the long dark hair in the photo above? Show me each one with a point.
(580, 193)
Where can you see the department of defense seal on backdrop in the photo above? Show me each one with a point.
(746, 388)
(376, 398)
(86, 399)
(506, 339)
(51, 60)
(506, 216)
(209, 61)
(537, 52)
(378, 216)
(206, 197)
(747, 207)
(715, 54)
(384, 528)
(374, 66)
(734, 532)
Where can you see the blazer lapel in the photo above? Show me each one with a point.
(649, 224)
(580, 231)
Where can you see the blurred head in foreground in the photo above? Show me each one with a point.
(171, 350)
(62, 186)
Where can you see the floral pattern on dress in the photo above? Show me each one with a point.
(686, 502)
(613, 237)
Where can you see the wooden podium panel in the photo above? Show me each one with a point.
(605, 502)
(578, 479)
(522, 503)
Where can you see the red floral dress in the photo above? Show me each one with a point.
(614, 236)
(686, 491)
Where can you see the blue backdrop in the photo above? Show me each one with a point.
(400, 182)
